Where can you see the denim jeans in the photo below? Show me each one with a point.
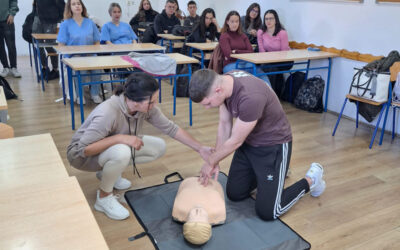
(46, 28)
(249, 69)
(94, 88)
(7, 35)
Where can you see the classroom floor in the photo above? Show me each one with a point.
(359, 210)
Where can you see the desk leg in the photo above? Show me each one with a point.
(202, 59)
(78, 74)
(254, 69)
(40, 63)
(308, 66)
(71, 96)
(190, 51)
(190, 100)
(174, 110)
(171, 49)
(388, 104)
(159, 91)
(35, 59)
(327, 84)
(162, 42)
(30, 54)
(62, 78)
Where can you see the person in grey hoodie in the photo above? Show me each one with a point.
(111, 136)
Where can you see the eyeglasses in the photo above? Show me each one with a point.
(269, 18)
(255, 11)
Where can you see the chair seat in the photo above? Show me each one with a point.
(364, 100)
(52, 54)
(207, 56)
(396, 104)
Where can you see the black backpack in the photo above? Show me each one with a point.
(149, 35)
(310, 94)
(182, 83)
(9, 93)
(179, 30)
(297, 79)
(27, 27)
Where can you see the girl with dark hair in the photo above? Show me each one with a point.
(111, 136)
(207, 30)
(252, 22)
(78, 29)
(145, 14)
(234, 41)
(273, 37)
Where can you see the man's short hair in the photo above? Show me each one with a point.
(170, 1)
(200, 84)
(191, 2)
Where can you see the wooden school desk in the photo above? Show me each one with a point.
(170, 38)
(103, 48)
(37, 45)
(29, 160)
(50, 215)
(288, 56)
(78, 64)
(202, 47)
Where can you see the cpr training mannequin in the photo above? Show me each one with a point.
(199, 207)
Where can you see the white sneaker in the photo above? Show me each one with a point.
(97, 99)
(120, 184)
(15, 73)
(5, 72)
(111, 207)
(316, 173)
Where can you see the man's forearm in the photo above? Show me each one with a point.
(225, 149)
(185, 138)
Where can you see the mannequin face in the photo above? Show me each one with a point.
(115, 15)
(146, 5)
(233, 23)
(198, 214)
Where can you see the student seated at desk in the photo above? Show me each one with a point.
(234, 41)
(207, 30)
(111, 136)
(199, 207)
(165, 22)
(193, 19)
(273, 37)
(78, 29)
(144, 16)
(251, 22)
(117, 32)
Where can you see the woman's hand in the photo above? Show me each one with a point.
(253, 32)
(131, 140)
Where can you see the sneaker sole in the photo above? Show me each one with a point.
(317, 194)
(100, 209)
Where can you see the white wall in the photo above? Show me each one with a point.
(365, 27)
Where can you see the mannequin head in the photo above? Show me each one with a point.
(197, 229)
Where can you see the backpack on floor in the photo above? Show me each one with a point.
(27, 27)
(297, 79)
(310, 95)
(182, 82)
(9, 93)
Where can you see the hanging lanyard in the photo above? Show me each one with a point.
(133, 151)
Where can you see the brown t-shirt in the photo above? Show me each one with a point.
(252, 99)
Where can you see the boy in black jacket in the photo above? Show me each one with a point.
(165, 22)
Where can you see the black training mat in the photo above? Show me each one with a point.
(243, 229)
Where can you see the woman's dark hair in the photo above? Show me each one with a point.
(138, 87)
(225, 28)
(278, 25)
(68, 12)
(257, 21)
(141, 14)
(201, 26)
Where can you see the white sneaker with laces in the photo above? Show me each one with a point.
(111, 207)
(316, 173)
(5, 72)
(120, 184)
(15, 73)
(97, 99)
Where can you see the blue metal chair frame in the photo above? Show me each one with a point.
(385, 106)
(394, 106)
(38, 66)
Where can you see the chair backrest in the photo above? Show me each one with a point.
(6, 131)
(394, 70)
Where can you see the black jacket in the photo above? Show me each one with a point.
(196, 37)
(163, 22)
(50, 11)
